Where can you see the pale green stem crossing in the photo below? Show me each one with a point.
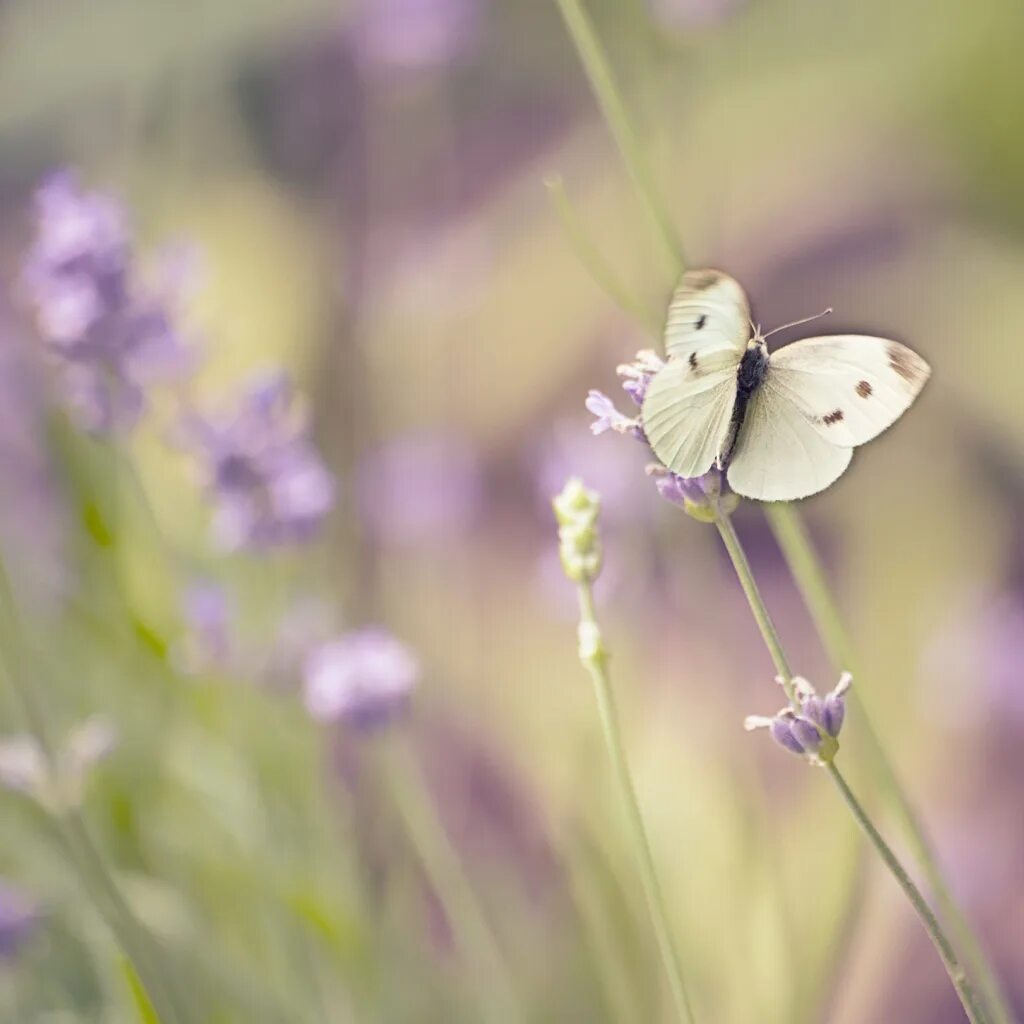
(594, 658)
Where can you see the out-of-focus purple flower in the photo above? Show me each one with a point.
(362, 679)
(267, 481)
(421, 487)
(415, 35)
(607, 416)
(19, 917)
(810, 726)
(207, 613)
(111, 336)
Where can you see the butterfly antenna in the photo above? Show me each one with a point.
(797, 323)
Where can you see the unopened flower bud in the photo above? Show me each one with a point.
(579, 543)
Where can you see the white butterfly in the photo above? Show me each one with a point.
(782, 426)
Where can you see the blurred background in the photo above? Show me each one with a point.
(361, 188)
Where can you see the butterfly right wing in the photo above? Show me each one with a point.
(780, 455)
(687, 411)
(709, 311)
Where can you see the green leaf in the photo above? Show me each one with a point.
(140, 997)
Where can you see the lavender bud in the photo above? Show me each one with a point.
(807, 734)
(579, 542)
(781, 730)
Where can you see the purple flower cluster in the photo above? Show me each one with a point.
(811, 726)
(111, 335)
(267, 481)
(698, 496)
(363, 679)
(19, 918)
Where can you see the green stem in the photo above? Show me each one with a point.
(596, 663)
(75, 841)
(602, 83)
(956, 973)
(795, 543)
(443, 867)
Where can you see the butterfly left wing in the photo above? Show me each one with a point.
(849, 387)
(688, 409)
(780, 454)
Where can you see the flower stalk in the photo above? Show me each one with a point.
(576, 509)
(957, 975)
(795, 544)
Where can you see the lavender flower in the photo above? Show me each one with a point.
(267, 481)
(809, 727)
(701, 497)
(607, 416)
(19, 918)
(362, 679)
(111, 336)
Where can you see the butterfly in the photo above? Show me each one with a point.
(781, 425)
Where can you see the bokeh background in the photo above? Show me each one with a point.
(364, 185)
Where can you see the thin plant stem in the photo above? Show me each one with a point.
(443, 867)
(99, 883)
(593, 261)
(954, 969)
(602, 83)
(798, 551)
(597, 665)
(958, 976)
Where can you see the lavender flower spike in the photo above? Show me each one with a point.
(809, 727)
(267, 481)
(110, 336)
(363, 679)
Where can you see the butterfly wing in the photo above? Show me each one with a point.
(708, 312)
(780, 455)
(688, 406)
(687, 411)
(849, 387)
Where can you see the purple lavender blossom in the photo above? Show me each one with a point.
(19, 918)
(267, 481)
(810, 726)
(415, 35)
(700, 497)
(421, 487)
(362, 679)
(607, 416)
(111, 336)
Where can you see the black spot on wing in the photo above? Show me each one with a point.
(701, 321)
(693, 360)
(864, 388)
(835, 416)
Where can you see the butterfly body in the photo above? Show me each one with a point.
(782, 425)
